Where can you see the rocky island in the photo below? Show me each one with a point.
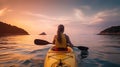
(7, 29)
(114, 30)
(43, 33)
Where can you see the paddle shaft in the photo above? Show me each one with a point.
(44, 42)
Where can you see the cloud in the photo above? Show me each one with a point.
(106, 16)
(48, 19)
(2, 11)
(98, 18)
(39, 15)
(95, 22)
(79, 14)
(110, 18)
(81, 17)
(85, 7)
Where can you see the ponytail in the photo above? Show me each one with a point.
(59, 33)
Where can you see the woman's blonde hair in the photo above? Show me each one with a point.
(59, 32)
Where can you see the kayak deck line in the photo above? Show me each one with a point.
(60, 64)
(68, 56)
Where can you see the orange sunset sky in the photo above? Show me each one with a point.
(78, 16)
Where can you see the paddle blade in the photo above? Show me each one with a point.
(82, 48)
(41, 42)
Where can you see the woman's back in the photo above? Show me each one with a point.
(63, 43)
(61, 40)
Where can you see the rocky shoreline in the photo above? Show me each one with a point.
(114, 30)
(7, 30)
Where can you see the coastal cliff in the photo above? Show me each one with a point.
(7, 29)
(114, 30)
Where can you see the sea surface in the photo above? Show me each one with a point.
(20, 51)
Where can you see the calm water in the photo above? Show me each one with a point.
(20, 51)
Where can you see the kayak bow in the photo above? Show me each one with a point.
(60, 58)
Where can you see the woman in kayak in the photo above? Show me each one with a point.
(61, 40)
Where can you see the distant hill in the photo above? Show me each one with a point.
(114, 30)
(7, 29)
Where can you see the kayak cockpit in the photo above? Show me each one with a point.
(54, 49)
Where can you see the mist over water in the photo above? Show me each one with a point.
(20, 51)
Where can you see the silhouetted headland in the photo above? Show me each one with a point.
(43, 33)
(7, 29)
(114, 30)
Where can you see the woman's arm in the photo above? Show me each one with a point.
(54, 39)
(68, 41)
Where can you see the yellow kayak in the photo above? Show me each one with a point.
(65, 58)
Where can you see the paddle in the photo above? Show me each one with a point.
(44, 42)
(41, 42)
